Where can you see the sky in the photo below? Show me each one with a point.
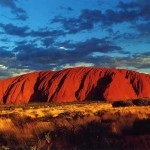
(40, 35)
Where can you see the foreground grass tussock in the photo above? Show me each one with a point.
(75, 126)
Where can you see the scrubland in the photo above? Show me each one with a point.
(74, 126)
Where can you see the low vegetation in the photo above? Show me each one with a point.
(77, 126)
(136, 102)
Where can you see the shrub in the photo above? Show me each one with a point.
(141, 102)
(78, 115)
(100, 113)
(139, 127)
(122, 103)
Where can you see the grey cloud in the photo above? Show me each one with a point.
(30, 57)
(92, 45)
(47, 42)
(125, 12)
(39, 57)
(130, 5)
(5, 53)
(15, 30)
(143, 28)
(19, 12)
(66, 8)
(85, 21)
(46, 33)
(24, 31)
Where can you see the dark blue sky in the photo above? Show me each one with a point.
(55, 34)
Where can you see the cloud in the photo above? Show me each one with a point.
(11, 4)
(47, 42)
(24, 31)
(45, 57)
(4, 74)
(89, 18)
(125, 12)
(91, 45)
(85, 21)
(37, 55)
(46, 48)
(14, 30)
(46, 32)
(66, 8)
(117, 35)
(130, 5)
(143, 28)
(4, 53)
(136, 61)
(76, 54)
(115, 17)
(141, 8)
(3, 67)
(23, 42)
(77, 64)
(6, 59)
(29, 57)
(7, 73)
(142, 60)
(5, 40)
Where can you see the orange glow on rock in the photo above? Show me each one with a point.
(81, 83)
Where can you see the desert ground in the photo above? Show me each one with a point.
(74, 126)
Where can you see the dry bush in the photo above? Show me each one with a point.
(141, 102)
(92, 135)
(100, 113)
(139, 127)
(18, 120)
(122, 103)
(78, 115)
(64, 114)
(135, 102)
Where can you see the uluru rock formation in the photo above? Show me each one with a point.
(81, 83)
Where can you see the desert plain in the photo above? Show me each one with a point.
(75, 125)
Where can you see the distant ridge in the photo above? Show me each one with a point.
(81, 83)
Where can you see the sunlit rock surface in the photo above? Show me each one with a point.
(75, 84)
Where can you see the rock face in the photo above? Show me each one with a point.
(82, 83)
